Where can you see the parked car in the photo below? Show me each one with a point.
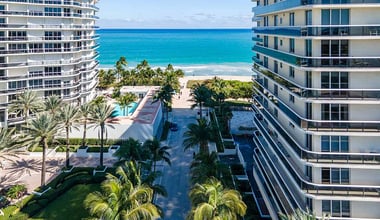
(173, 127)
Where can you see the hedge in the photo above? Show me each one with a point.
(33, 204)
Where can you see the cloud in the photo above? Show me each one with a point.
(196, 20)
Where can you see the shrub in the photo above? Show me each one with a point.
(96, 149)
(16, 191)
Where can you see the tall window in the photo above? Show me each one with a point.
(53, 35)
(265, 41)
(53, 11)
(334, 112)
(334, 80)
(334, 143)
(275, 69)
(275, 41)
(335, 16)
(291, 19)
(265, 61)
(308, 48)
(336, 208)
(308, 17)
(275, 20)
(291, 71)
(291, 45)
(334, 48)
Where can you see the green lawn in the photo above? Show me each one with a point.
(69, 205)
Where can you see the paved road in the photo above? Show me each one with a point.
(176, 177)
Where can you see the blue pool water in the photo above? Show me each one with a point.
(123, 112)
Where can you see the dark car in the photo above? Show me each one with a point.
(173, 127)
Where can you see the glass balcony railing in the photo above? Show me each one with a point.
(328, 62)
(319, 157)
(318, 93)
(318, 31)
(317, 125)
(284, 5)
(310, 187)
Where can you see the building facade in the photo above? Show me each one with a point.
(317, 106)
(47, 46)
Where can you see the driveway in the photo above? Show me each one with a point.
(176, 177)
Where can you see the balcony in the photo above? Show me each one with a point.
(315, 125)
(321, 31)
(302, 181)
(323, 62)
(289, 4)
(318, 93)
(319, 157)
(54, 2)
(47, 26)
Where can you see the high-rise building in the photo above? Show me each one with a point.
(47, 46)
(317, 106)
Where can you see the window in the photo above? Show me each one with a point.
(36, 48)
(308, 48)
(335, 16)
(53, 71)
(53, 47)
(336, 208)
(280, 42)
(17, 35)
(334, 143)
(275, 22)
(275, 42)
(265, 61)
(53, 83)
(275, 112)
(291, 98)
(291, 19)
(266, 21)
(291, 71)
(308, 17)
(334, 112)
(334, 80)
(265, 41)
(53, 92)
(334, 48)
(37, 83)
(275, 92)
(291, 45)
(275, 69)
(53, 35)
(53, 11)
(17, 85)
(335, 175)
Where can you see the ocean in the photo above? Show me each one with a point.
(196, 51)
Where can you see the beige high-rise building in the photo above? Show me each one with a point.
(47, 46)
(317, 106)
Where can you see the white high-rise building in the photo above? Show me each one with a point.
(317, 106)
(47, 46)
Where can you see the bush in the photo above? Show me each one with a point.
(16, 191)
(96, 149)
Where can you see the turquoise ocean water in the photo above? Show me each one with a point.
(196, 51)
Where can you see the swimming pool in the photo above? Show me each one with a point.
(123, 112)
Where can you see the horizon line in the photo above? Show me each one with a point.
(174, 28)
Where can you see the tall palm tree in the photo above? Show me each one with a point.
(85, 111)
(9, 145)
(198, 135)
(207, 165)
(157, 152)
(125, 100)
(41, 131)
(201, 95)
(52, 104)
(69, 116)
(165, 96)
(130, 150)
(121, 64)
(122, 198)
(211, 201)
(99, 115)
(25, 104)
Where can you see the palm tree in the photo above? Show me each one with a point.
(201, 95)
(130, 150)
(207, 165)
(211, 201)
(300, 215)
(125, 100)
(99, 115)
(198, 135)
(52, 104)
(42, 130)
(85, 111)
(122, 198)
(165, 96)
(9, 145)
(157, 152)
(69, 117)
(120, 66)
(25, 104)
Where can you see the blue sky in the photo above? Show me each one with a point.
(175, 13)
